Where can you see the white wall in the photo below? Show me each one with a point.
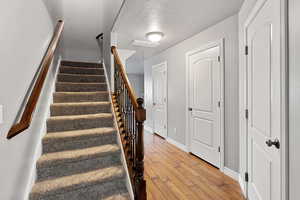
(84, 21)
(125, 54)
(243, 14)
(294, 71)
(135, 64)
(27, 33)
(175, 56)
(137, 82)
(109, 14)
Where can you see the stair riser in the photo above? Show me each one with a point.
(95, 191)
(56, 145)
(75, 70)
(78, 124)
(65, 87)
(67, 169)
(79, 110)
(80, 79)
(81, 64)
(62, 98)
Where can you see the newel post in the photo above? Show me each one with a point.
(140, 183)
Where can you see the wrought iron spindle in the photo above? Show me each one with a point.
(131, 117)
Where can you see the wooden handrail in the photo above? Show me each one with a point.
(98, 36)
(28, 112)
(132, 94)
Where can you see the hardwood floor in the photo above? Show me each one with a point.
(176, 175)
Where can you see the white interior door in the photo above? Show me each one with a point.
(264, 102)
(159, 77)
(205, 101)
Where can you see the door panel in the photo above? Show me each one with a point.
(264, 100)
(159, 76)
(203, 131)
(202, 84)
(204, 95)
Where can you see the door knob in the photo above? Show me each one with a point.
(276, 143)
(154, 104)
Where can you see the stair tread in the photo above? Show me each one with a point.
(58, 185)
(76, 133)
(81, 83)
(85, 68)
(77, 154)
(82, 103)
(81, 64)
(74, 117)
(83, 93)
(94, 75)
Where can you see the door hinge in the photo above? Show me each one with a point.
(219, 59)
(219, 104)
(246, 113)
(246, 177)
(246, 50)
(219, 149)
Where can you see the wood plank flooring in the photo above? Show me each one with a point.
(173, 174)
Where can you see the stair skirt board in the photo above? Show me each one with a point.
(81, 155)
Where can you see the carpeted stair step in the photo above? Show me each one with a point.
(105, 191)
(123, 195)
(79, 122)
(54, 169)
(67, 169)
(81, 70)
(80, 87)
(57, 158)
(92, 185)
(81, 64)
(79, 139)
(81, 108)
(61, 97)
(80, 78)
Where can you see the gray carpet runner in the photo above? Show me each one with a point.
(81, 158)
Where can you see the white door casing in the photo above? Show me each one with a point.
(205, 102)
(263, 40)
(159, 109)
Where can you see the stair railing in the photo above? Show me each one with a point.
(31, 104)
(130, 115)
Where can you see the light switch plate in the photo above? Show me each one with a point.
(1, 114)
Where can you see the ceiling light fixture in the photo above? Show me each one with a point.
(154, 36)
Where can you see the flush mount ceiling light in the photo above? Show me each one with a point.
(154, 36)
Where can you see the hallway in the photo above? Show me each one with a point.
(173, 174)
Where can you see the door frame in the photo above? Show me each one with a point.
(284, 93)
(165, 63)
(221, 44)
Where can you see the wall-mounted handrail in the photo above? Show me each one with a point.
(98, 36)
(130, 115)
(30, 106)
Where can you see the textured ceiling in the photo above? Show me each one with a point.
(177, 19)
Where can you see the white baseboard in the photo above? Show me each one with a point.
(229, 172)
(148, 129)
(242, 185)
(177, 144)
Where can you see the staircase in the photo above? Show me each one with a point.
(81, 158)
